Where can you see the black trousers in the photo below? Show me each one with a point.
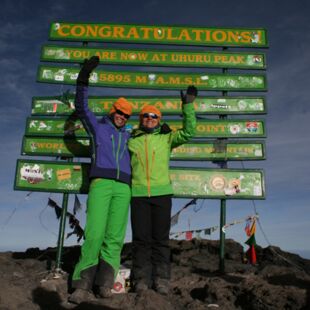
(150, 222)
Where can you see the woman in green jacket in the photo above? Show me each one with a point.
(150, 147)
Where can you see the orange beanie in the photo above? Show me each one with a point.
(123, 105)
(150, 109)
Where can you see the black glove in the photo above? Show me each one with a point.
(191, 94)
(88, 66)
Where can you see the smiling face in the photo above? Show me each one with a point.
(120, 119)
(149, 120)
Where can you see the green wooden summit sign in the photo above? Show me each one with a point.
(45, 176)
(64, 105)
(218, 150)
(211, 36)
(54, 130)
(156, 80)
(65, 147)
(70, 147)
(154, 57)
(218, 183)
(203, 183)
(60, 127)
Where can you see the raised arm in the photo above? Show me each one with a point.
(189, 118)
(81, 98)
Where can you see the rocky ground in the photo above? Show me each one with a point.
(280, 280)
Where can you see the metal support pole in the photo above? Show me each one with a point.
(62, 224)
(62, 227)
(61, 234)
(223, 205)
(222, 235)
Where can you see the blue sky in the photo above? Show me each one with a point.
(284, 215)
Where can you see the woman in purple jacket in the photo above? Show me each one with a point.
(109, 192)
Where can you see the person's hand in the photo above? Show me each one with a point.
(190, 95)
(88, 66)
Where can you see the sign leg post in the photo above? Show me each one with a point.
(223, 165)
(222, 235)
(62, 227)
(61, 233)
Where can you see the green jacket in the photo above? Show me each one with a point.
(150, 155)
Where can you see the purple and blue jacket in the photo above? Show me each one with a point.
(110, 158)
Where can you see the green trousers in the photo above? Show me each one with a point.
(106, 223)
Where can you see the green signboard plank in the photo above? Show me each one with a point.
(43, 146)
(159, 34)
(147, 57)
(46, 176)
(64, 147)
(64, 105)
(220, 150)
(155, 80)
(218, 183)
(59, 127)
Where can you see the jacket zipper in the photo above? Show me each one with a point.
(113, 145)
(117, 153)
(114, 154)
(152, 165)
(147, 167)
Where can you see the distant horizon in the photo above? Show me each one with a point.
(302, 253)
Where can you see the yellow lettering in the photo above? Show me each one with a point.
(118, 32)
(104, 32)
(92, 30)
(170, 35)
(61, 30)
(219, 36)
(78, 30)
(159, 33)
(132, 33)
(197, 33)
(146, 32)
(106, 105)
(174, 80)
(142, 56)
(173, 105)
(246, 36)
(141, 79)
(233, 36)
(160, 80)
(155, 57)
(124, 55)
(184, 35)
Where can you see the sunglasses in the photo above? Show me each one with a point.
(151, 115)
(119, 112)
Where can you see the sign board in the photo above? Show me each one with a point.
(71, 126)
(217, 183)
(216, 150)
(182, 35)
(65, 147)
(46, 176)
(64, 105)
(220, 150)
(155, 80)
(144, 57)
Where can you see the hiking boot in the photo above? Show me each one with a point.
(140, 287)
(161, 286)
(79, 295)
(105, 292)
